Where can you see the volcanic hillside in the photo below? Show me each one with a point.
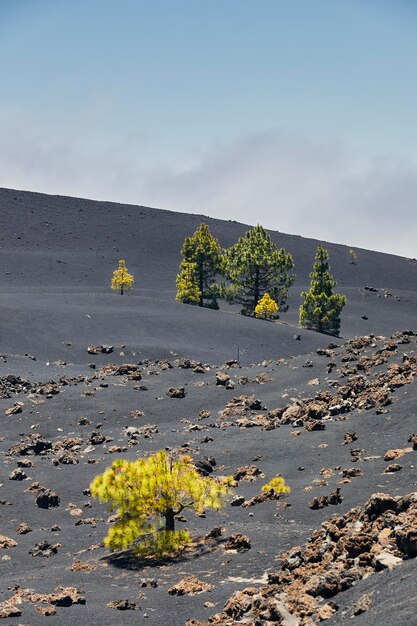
(334, 417)
(57, 259)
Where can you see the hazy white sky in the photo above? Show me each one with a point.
(300, 115)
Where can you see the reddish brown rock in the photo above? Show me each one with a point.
(176, 392)
(189, 585)
(238, 543)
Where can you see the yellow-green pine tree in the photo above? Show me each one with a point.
(122, 280)
(266, 307)
(188, 290)
(277, 485)
(147, 494)
(353, 255)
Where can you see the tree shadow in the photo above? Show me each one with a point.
(128, 560)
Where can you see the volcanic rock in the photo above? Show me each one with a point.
(92, 349)
(16, 408)
(238, 543)
(7, 542)
(176, 392)
(189, 585)
(47, 500)
(122, 605)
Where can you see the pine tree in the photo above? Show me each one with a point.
(321, 308)
(255, 266)
(122, 279)
(203, 250)
(147, 494)
(277, 485)
(187, 287)
(266, 307)
(353, 255)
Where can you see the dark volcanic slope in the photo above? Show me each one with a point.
(312, 462)
(57, 258)
(57, 255)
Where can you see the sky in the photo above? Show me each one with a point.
(297, 114)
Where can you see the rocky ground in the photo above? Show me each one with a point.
(338, 426)
(87, 377)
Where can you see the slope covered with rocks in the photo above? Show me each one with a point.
(87, 377)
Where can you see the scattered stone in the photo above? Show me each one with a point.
(362, 605)
(131, 370)
(24, 463)
(92, 349)
(237, 501)
(237, 543)
(352, 472)
(246, 401)
(313, 425)
(7, 542)
(247, 473)
(349, 438)
(16, 408)
(17, 474)
(45, 610)
(176, 392)
(122, 605)
(44, 548)
(96, 439)
(62, 597)
(189, 585)
(49, 389)
(205, 466)
(9, 611)
(23, 529)
(148, 582)
(318, 502)
(232, 364)
(82, 566)
(224, 380)
(35, 446)
(187, 364)
(393, 467)
(47, 499)
(413, 440)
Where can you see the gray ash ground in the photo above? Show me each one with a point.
(75, 420)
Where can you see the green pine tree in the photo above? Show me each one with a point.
(321, 308)
(255, 266)
(203, 250)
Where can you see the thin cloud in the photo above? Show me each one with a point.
(287, 183)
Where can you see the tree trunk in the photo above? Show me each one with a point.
(169, 520)
(256, 289)
(121, 290)
(201, 284)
